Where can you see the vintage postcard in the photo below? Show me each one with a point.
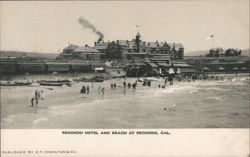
(125, 78)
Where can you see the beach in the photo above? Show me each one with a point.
(199, 104)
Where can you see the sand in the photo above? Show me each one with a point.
(65, 107)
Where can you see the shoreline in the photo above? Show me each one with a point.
(64, 101)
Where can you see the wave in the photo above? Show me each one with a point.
(173, 89)
(9, 119)
(61, 109)
(217, 88)
(215, 98)
(40, 120)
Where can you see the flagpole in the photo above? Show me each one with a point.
(137, 28)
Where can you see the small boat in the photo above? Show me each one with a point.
(98, 79)
(22, 83)
(83, 80)
(55, 81)
(15, 83)
(50, 83)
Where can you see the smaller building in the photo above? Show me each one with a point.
(80, 53)
(86, 53)
(69, 49)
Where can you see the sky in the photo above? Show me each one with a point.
(48, 27)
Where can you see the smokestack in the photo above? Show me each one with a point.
(86, 24)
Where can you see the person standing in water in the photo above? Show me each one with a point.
(36, 94)
(124, 84)
(32, 102)
(102, 92)
(129, 85)
(36, 97)
(112, 86)
(87, 89)
(37, 101)
(99, 91)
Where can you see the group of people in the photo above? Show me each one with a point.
(84, 90)
(129, 85)
(38, 95)
(113, 86)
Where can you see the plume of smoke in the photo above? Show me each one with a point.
(86, 24)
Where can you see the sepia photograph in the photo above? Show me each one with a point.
(125, 78)
(124, 64)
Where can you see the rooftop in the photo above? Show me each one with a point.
(70, 47)
(86, 49)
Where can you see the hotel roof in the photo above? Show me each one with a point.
(86, 49)
(70, 47)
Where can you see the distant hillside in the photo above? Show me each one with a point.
(245, 52)
(27, 54)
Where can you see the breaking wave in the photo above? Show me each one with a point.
(40, 120)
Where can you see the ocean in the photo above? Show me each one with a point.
(199, 104)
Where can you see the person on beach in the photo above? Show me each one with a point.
(193, 77)
(149, 83)
(129, 85)
(83, 90)
(124, 84)
(36, 101)
(99, 91)
(134, 85)
(32, 102)
(102, 92)
(159, 86)
(114, 86)
(36, 94)
(166, 80)
(87, 89)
